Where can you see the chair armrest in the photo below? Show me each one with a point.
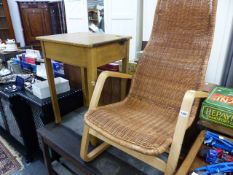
(182, 124)
(100, 84)
(188, 100)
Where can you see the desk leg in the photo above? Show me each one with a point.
(50, 76)
(91, 80)
(124, 70)
(84, 85)
(91, 72)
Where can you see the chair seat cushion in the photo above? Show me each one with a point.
(141, 127)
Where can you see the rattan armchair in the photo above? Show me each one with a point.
(145, 123)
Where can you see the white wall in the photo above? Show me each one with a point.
(223, 29)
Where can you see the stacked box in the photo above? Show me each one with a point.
(218, 107)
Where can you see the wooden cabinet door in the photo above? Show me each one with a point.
(36, 22)
(6, 28)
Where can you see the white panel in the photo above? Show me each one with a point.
(124, 9)
(122, 5)
(76, 15)
(75, 9)
(128, 31)
(149, 7)
(122, 18)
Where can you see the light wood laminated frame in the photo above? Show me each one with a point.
(168, 167)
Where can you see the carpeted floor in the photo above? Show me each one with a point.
(9, 159)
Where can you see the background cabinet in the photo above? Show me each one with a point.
(6, 29)
(41, 18)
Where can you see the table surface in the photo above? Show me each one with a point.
(32, 98)
(7, 55)
(6, 94)
(83, 39)
(12, 52)
(42, 102)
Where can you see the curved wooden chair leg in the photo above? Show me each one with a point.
(85, 143)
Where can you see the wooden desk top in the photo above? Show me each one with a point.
(83, 39)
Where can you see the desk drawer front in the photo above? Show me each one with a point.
(68, 54)
(110, 52)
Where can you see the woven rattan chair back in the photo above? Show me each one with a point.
(176, 56)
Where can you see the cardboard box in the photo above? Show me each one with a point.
(41, 89)
(218, 107)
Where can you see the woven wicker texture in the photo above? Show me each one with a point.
(174, 61)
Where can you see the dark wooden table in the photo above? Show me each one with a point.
(66, 143)
(24, 113)
(5, 56)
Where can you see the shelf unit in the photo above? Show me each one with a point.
(93, 16)
(6, 28)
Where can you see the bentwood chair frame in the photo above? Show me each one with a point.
(183, 122)
(181, 127)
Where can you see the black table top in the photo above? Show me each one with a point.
(42, 102)
(7, 55)
(28, 96)
(6, 94)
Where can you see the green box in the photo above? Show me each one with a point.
(218, 107)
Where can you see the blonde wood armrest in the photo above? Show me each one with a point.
(181, 126)
(100, 84)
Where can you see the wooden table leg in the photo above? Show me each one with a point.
(91, 74)
(91, 81)
(50, 76)
(84, 86)
(125, 62)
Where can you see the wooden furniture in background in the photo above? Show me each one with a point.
(21, 113)
(65, 142)
(93, 16)
(192, 160)
(5, 56)
(204, 124)
(41, 18)
(6, 28)
(87, 51)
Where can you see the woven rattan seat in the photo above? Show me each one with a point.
(135, 124)
(173, 62)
